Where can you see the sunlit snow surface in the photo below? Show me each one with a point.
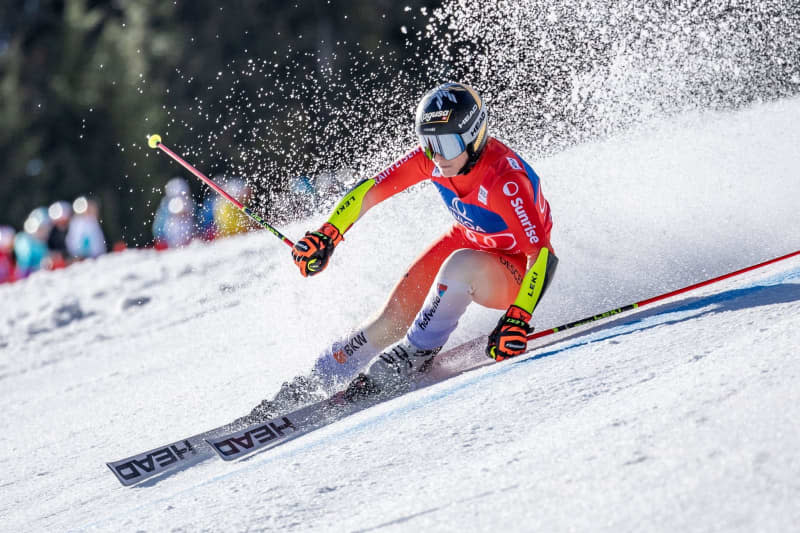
(683, 416)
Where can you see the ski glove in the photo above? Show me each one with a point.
(312, 252)
(510, 336)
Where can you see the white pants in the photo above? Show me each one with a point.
(467, 275)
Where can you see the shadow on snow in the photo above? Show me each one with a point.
(683, 311)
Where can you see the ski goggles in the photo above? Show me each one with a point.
(449, 145)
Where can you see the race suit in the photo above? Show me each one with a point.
(499, 209)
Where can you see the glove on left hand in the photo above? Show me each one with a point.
(510, 336)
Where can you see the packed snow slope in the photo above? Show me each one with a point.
(681, 417)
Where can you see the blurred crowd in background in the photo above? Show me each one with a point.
(51, 238)
(56, 236)
(82, 83)
(179, 219)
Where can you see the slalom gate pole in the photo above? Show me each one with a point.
(648, 301)
(154, 141)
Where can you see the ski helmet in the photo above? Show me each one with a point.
(452, 118)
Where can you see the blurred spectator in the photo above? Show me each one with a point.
(228, 218)
(206, 226)
(174, 221)
(7, 254)
(301, 186)
(85, 236)
(302, 199)
(30, 245)
(59, 213)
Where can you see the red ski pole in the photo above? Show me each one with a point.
(154, 141)
(648, 301)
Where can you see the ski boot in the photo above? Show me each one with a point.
(360, 388)
(390, 373)
(301, 391)
(395, 369)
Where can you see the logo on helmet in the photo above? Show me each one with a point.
(437, 116)
(478, 124)
(469, 116)
(441, 94)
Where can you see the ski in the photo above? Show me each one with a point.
(237, 439)
(283, 428)
(233, 440)
(180, 454)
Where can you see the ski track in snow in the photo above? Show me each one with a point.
(681, 416)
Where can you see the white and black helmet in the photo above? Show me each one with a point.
(452, 118)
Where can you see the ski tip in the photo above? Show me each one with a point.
(153, 140)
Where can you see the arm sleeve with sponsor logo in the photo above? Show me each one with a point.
(409, 170)
(527, 214)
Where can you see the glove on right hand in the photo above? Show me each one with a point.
(312, 253)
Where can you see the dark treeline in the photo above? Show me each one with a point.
(81, 81)
(270, 90)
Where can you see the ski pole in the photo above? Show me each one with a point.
(664, 296)
(154, 141)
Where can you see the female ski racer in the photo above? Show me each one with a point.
(497, 254)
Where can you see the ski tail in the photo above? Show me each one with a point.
(142, 466)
